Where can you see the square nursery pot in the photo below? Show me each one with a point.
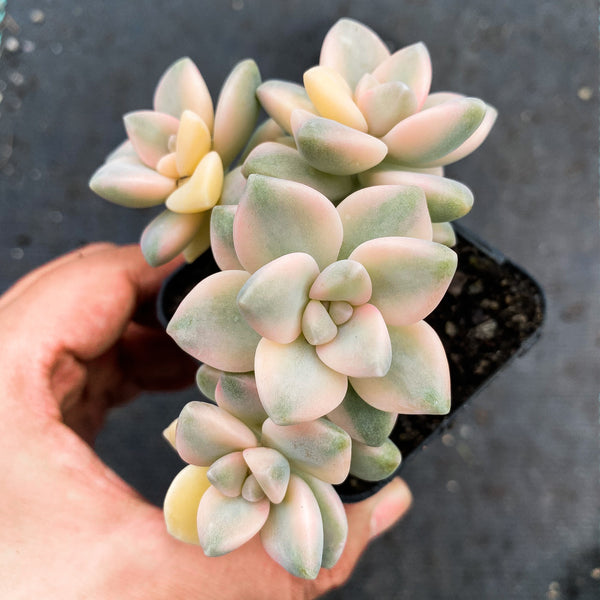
(492, 313)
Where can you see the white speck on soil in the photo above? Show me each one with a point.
(11, 44)
(37, 16)
(17, 253)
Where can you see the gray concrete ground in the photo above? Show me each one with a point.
(507, 506)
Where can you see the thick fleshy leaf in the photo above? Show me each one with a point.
(131, 185)
(225, 524)
(276, 160)
(340, 312)
(446, 199)
(167, 166)
(383, 211)
(335, 148)
(228, 474)
(335, 523)
(273, 299)
(332, 97)
(206, 432)
(443, 233)
(167, 235)
(362, 421)
(237, 394)
(149, 132)
(293, 384)
(317, 325)
(409, 276)
(169, 433)
(293, 533)
(345, 280)
(221, 237)
(237, 110)
(202, 190)
(124, 150)
(181, 503)
(277, 217)
(410, 65)
(193, 143)
(251, 490)
(352, 49)
(374, 463)
(208, 324)
(271, 469)
(200, 242)
(234, 185)
(418, 381)
(385, 105)
(361, 347)
(267, 131)
(207, 379)
(182, 88)
(428, 136)
(318, 447)
(281, 98)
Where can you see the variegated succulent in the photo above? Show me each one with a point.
(332, 236)
(178, 153)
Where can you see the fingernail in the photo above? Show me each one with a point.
(395, 499)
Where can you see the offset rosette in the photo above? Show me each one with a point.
(178, 154)
(316, 297)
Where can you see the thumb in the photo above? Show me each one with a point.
(366, 520)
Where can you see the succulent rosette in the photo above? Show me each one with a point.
(178, 154)
(365, 111)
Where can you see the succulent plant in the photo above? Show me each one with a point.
(332, 237)
(178, 153)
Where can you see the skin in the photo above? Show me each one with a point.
(76, 340)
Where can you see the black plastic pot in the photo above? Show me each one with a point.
(491, 314)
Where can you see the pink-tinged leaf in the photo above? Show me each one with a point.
(267, 131)
(385, 105)
(334, 148)
(428, 136)
(277, 160)
(293, 384)
(317, 325)
(362, 346)
(277, 217)
(344, 280)
(167, 235)
(149, 132)
(193, 143)
(207, 379)
(237, 110)
(200, 242)
(418, 381)
(361, 421)
(131, 185)
(365, 83)
(409, 276)
(181, 503)
(374, 463)
(352, 49)
(383, 211)
(446, 199)
(281, 98)
(124, 150)
(293, 533)
(182, 88)
(228, 474)
(332, 97)
(273, 299)
(251, 489)
(237, 394)
(208, 324)
(443, 233)
(234, 185)
(410, 65)
(335, 523)
(225, 524)
(271, 469)
(317, 447)
(221, 237)
(206, 432)
(340, 311)
(439, 98)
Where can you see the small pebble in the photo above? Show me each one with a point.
(17, 78)
(486, 330)
(475, 288)
(17, 253)
(465, 431)
(1, 97)
(28, 46)
(491, 304)
(451, 329)
(11, 44)
(37, 16)
(452, 486)
(585, 93)
(448, 440)
(595, 573)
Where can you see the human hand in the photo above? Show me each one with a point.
(73, 346)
